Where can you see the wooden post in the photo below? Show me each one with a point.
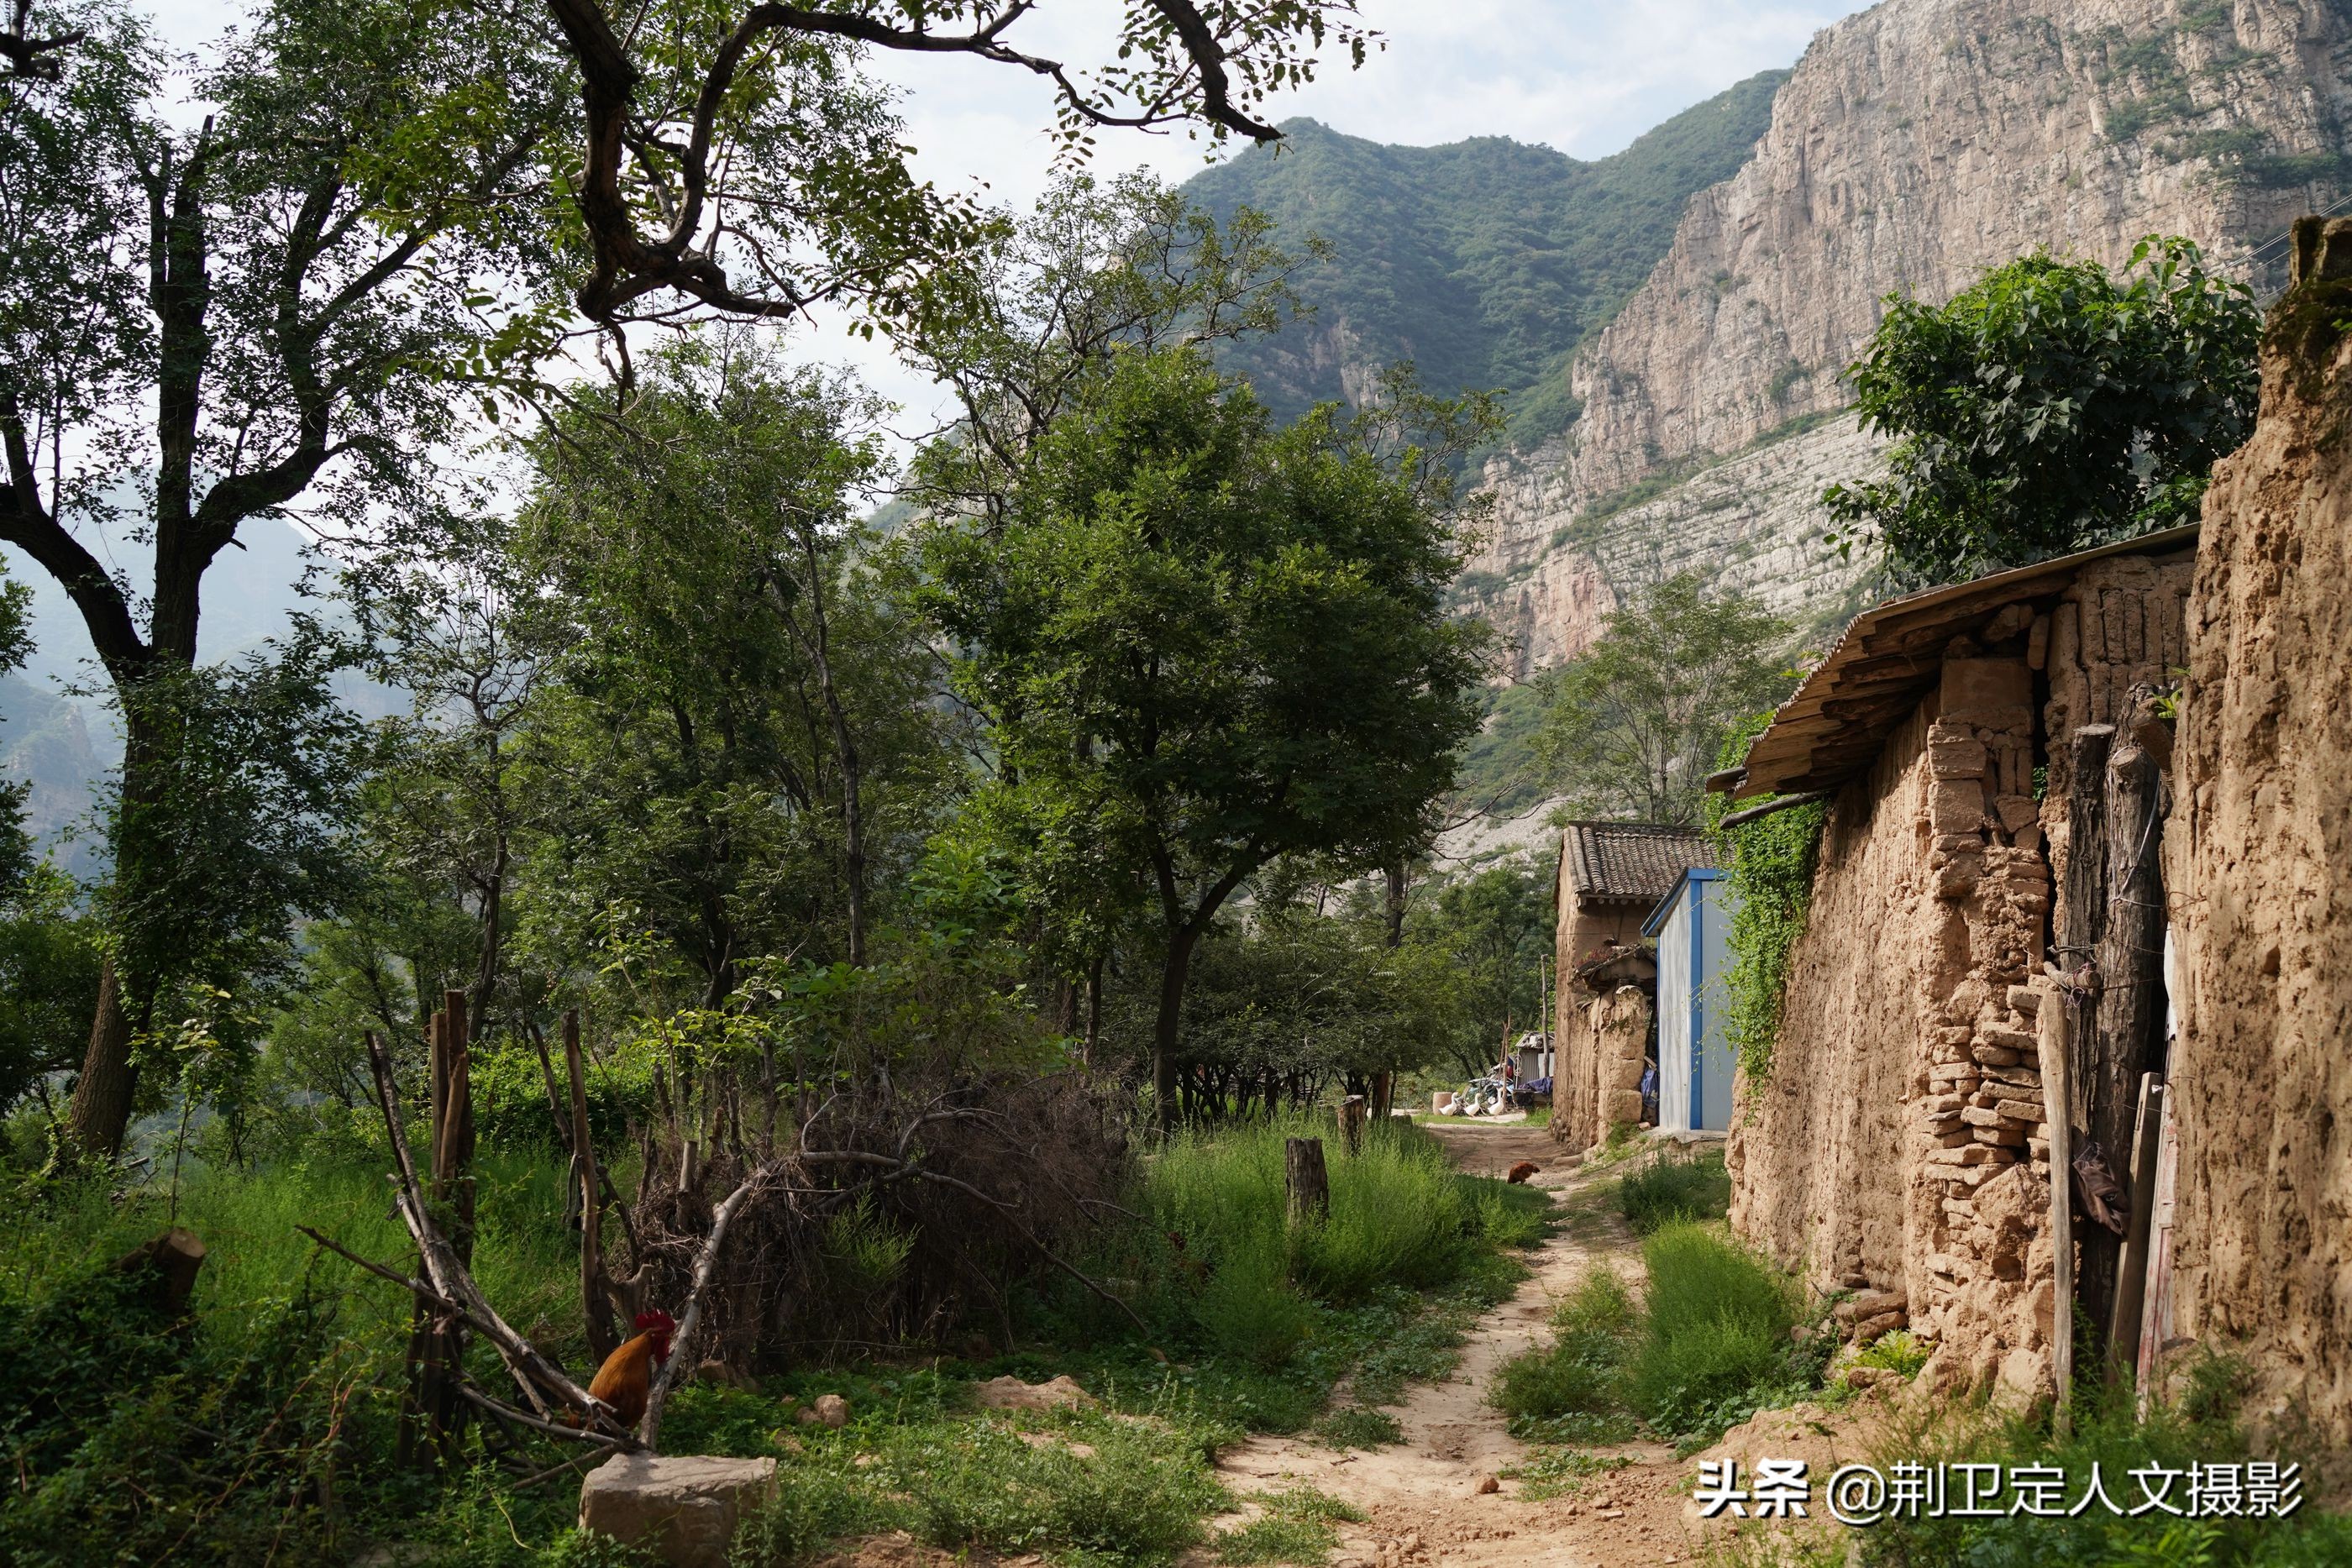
(604, 1334)
(420, 1433)
(454, 1158)
(2131, 1286)
(2057, 1111)
(1309, 1182)
(2127, 1018)
(1351, 1123)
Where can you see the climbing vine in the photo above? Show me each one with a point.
(1771, 865)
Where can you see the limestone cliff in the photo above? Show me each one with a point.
(1914, 145)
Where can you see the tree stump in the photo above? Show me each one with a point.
(1351, 1123)
(1309, 1182)
(168, 1266)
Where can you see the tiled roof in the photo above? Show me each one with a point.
(1633, 860)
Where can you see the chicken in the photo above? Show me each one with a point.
(1521, 1171)
(626, 1378)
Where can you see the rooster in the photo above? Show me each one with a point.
(1521, 1171)
(626, 1378)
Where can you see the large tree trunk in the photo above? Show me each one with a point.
(101, 1112)
(1172, 972)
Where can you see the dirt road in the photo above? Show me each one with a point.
(1422, 1495)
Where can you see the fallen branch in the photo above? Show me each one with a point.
(540, 1379)
(689, 1321)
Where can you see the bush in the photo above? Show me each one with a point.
(1668, 1189)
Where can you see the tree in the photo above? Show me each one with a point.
(739, 158)
(1492, 932)
(740, 744)
(2051, 406)
(207, 326)
(1209, 642)
(1633, 726)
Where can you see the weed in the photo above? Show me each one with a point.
(1358, 1427)
(1668, 1188)
(1582, 1372)
(1897, 1351)
(1550, 1472)
(1297, 1527)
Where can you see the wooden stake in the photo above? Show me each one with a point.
(1351, 1123)
(1309, 1183)
(2057, 1112)
(2131, 1286)
(604, 1334)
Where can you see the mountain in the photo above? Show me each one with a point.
(1913, 146)
(1484, 262)
(1693, 421)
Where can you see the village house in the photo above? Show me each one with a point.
(1610, 879)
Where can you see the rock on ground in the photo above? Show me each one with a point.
(683, 1508)
(1011, 1393)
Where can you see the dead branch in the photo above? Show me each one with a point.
(541, 1380)
(690, 1319)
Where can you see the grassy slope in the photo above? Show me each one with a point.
(1485, 262)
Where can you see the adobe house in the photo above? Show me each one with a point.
(1611, 875)
(1895, 1146)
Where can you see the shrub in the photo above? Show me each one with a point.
(1668, 1189)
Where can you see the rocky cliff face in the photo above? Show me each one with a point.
(1914, 145)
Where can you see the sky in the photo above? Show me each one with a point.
(1584, 77)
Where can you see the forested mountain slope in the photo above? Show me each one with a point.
(1485, 262)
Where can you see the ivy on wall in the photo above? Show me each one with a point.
(1771, 862)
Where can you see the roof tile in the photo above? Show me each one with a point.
(1638, 861)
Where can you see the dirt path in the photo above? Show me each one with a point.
(1423, 1494)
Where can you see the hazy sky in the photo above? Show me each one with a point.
(1583, 76)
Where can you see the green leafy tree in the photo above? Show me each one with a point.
(203, 323)
(1491, 930)
(1632, 727)
(740, 744)
(2051, 406)
(1208, 642)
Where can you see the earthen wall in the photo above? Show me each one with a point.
(2259, 859)
(1581, 1078)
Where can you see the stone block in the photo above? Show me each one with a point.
(1622, 1105)
(1964, 756)
(1956, 806)
(682, 1509)
(1970, 1155)
(2027, 1113)
(2006, 1133)
(1999, 1037)
(2016, 812)
(1997, 1056)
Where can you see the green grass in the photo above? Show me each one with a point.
(1669, 1188)
(268, 1424)
(1297, 1527)
(1707, 1345)
(1556, 1472)
(2198, 1425)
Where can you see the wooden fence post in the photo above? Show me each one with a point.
(2057, 1111)
(1351, 1123)
(1309, 1182)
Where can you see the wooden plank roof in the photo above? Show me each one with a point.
(1888, 659)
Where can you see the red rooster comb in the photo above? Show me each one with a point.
(655, 1319)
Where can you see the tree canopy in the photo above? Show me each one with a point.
(1631, 728)
(2051, 406)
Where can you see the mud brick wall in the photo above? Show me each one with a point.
(1611, 1030)
(1895, 1148)
(2259, 862)
(1583, 1074)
